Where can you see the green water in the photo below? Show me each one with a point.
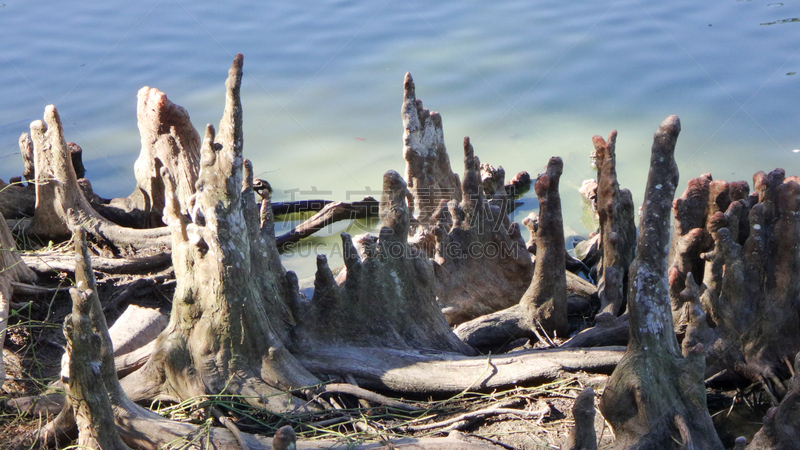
(323, 85)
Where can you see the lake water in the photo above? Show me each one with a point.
(323, 85)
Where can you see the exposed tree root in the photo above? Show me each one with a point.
(44, 263)
(608, 330)
(419, 372)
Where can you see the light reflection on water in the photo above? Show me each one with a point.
(323, 84)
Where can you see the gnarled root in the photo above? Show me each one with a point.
(388, 289)
(427, 373)
(746, 315)
(482, 264)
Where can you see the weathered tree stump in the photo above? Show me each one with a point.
(481, 261)
(85, 330)
(388, 288)
(60, 203)
(545, 302)
(617, 228)
(656, 397)
(168, 140)
(543, 308)
(747, 315)
(229, 319)
(430, 179)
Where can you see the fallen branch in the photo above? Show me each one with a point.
(343, 388)
(331, 213)
(29, 289)
(465, 419)
(299, 206)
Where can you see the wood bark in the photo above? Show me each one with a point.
(85, 330)
(428, 373)
(387, 287)
(168, 140)
(781, 430)
(656, 397)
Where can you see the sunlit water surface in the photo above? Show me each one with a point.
(323, 86)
